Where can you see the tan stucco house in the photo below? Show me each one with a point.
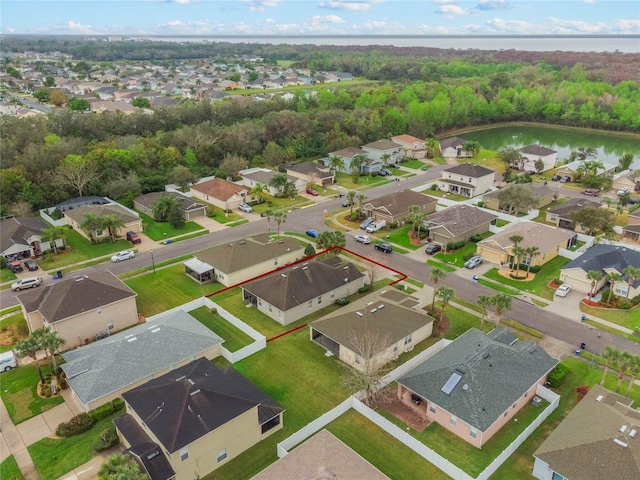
(630, 180)
(571, 169)
(632, 230)
(477, 383)
(311, 172)
(221, 193)
(560, 216)
(194, 419)
(374, 330)
(76, 216)
(549, 240)
(458, 223)
(22, 237)
(103, 370)
(543, 194)
(467, 179)
(394, 207)
(82, 307)
(412, 147)
(251, 177)
(295, 292)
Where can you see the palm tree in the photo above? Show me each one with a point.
(433, 147)
(52, 235)
(279, 181)
(501, 302)
(268, 214)
(385, 158)
(351, 195)
(483, 301)
(280, 218)
(518, 253)
(30, 346)
(259, 191)
(583, 153)
(609, 355)
(361, 197)
(625, 161)
(437, 274)
(113, 224)
(632, 273)
(531, 252)
(356, 164)
(613, 277)
(161, 207)
(516, 250)
(91, 223)
(336, 163)
(595, 276)
(120, 465)
(634, 370)
(445, 294)
(51, 341)
(624, 360)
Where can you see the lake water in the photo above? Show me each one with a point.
(609, 145)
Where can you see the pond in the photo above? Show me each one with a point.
(564, 140)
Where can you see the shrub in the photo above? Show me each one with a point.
(635, 300)
(118, 404)
(557, 375)
(355, 216)
(468, 256)
(480, 204)
(309, 250)
(62, 382)
(77, 425)
(45, 390)
(433, 187)
(342, 301)
(364, 289)
(625, 303)
(393, 225)
(101, 412)
(108, 438)
(455, 245)
(476, 238)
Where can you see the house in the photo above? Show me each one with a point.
(543, 194)
(221, 193)
(532, 153)
(321, 456)
(291, 293)
(388, 324)
(394, 207)
(253, 176)
(21, 237)
(459, 223)
(477, 383)
(385, 151)
(103, 370)
(627, 179)
(82, 307)
(76, 202)
(599, 439)
(467, 179)
(605, 259)
(347, 155)
(499, 248)
(454, 147)
(412, 147)
(572, 169)
(560, 215)
(632, 230)
(130, 220)
(188, 208)
(198, 417)
(311, 172)
(244, 259)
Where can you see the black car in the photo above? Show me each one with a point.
(383, 247)
(15, 267)
(555, 178)
(392, 165)
(31, 265)
(433, 249)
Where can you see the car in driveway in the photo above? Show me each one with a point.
(473, 262)
(124, 255)
(133, 237)
(245, 207)
(29, 282)
(432, 249)
(623, 190)
(31, 265)
(392, 165)
(312, 233)
(565, 179)
(383, 247)
(556, 178)
(15, 267)
(312, 192)
(563, 290)
(366, 223)
(364, 239)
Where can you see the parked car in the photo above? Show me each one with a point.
(364, 239)
(346, 203)
(30, 282)
(392, 165)
(312, 192)
(563, 290)
(531, 172)
(565, 179)
(366, 223)
(377, 225)
(245, 207)
(385, 173)
(473, 262)
(31, 265)
(15, 267)
(634, 200)
(623, 190)
(383, 247)
(432, 249)
(312, 233)
(133, 237)
(594, 192)
(124, 255)
(556, 178)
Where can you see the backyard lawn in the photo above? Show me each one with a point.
(7, 275)
(162, 230)
(9, 469)
(234, 338)
(14, 328)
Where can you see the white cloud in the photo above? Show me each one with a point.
(589, 1)
(348, 4)
(494, 5)
(500, 26)
(627, 27)
(261, 5)
(451, 10)
(74, 27)
(326, 19)
(567, 27)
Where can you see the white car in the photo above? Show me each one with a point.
(623, 190)
(125, 255)
(30, 282)
(364, 239)
(244, 207)
(563, 290)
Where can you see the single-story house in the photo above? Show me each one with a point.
(321, 456)
(571, 169)
(253, 176)
(454, 147)
(21, 237)
(76, 216)
(543, 193)
(81, 308)
(477, 383)
(605, 259)
(291, 293)
(198, 417)
(467, 179)
(311, 172)
(76, 202)
(532, 153)
(560, 216)
(412, 147)
(221, 193)
(381, 149)
(347, 154)
(458, 223)
(188, 207)
(103, 370)
(627, 179)
(241, 260)
(394, 207)
(598, 439)
(373, 330)
(499, 248)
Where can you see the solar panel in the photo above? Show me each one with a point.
(451, 383)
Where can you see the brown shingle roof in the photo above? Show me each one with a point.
(78, 213)
(219, 188)
(310, 168)
(534, 235)
(18, 230)
(349, 152)
(564, 210)
(538, 189)
(470, 170)
(185, 204)
(382, 144)
(459, 219)
(399, 202)
(537, 150)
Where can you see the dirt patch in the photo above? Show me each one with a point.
(402, 412)
(7, 336)
(521, 275)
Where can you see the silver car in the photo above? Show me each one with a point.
(125, 255)
(30, 282)
(473, 262)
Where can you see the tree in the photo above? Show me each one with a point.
(336, 163)
(42, 95)
(351, 195)
(357, 162)
(52, 235)
(77, 172)
(273, 154)
(290, 190)
(161, 207)
(120, 466)
(433, 147)
(79, 105)
(610, 356)
(517, 198)
(113, 224)
(361, 197)
(175, 218)
(510, 157)
(51, 342)
(232, 164)
(584, 153)
(444, 294)
(436, 275)
(280, 218)
(613, 278)
(91, 223)
(30, 346)
(57, 98)
(633, 368)
(595, 276)
(472, 147)
(268, 214)
(625, 161)
(501, 302)
(632, 273)
(141, 102)
(593, 220)
(539, 165)
(279, 181)
(329, 239)
(484, 302)
(515, 250)
(182, 177)
(531, 252)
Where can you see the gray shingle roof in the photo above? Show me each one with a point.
(310, 168)
(185, 204)
(452, 142)
(349, 152)
(537, 150)
(113, 363)
(459, 219)
(397, 203)
(383, 144)
(496, 373)
(470, 170)
(602, 256)
(18, 230)
(77, 214)
(539, 190)
(564, 210)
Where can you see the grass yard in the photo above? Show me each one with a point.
(364, 182)
(55, 457)
(280, 204)
(220, 216)
(440, 265)
(401, 236)
(20, 396)
(456, 257)
(9, 469)
(234, 338)
(417, 164)
(161, 230)
(625, 318)
(542, 215)
(496, 286)
(7, 275)
(501, 223)
(13, 328)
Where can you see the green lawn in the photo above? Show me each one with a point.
(7, 275)
(542, 215)
(417, 164)
(9, 469)
(401, 236)
(456, 257)
(498, 287)
(440, 265)
(626, 318)
(162, 230)
(220, 216)
(346, 181)
(17, 325)
(20, 396)
(501, 223)
(234, 338)
(280, 204)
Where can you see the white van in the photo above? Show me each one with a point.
(377, 225)
(7, 361)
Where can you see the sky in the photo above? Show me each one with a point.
(320, 17)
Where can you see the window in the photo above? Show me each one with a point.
(453, 420)
(432, 408)
(274, 422)
(259, 302)
(275, 261)
(473, 433)
(395, 348)
(407, 340)
(514, 405)
(319, 300)
(222, 455)
(557, 476)
(270, 308)
(184, 453)
(310, 304)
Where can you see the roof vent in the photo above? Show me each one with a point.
(621, 443)
(599, 398)
(241, 242)
(623, 428)
(191, 381)
(153, 455)
(465, 387)
(305, 268)
(633, 433)
(374, 310)
(79, 279)
(359, 314)
(182, 377)
(381, 306)
(486, 355)
(194, 392)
